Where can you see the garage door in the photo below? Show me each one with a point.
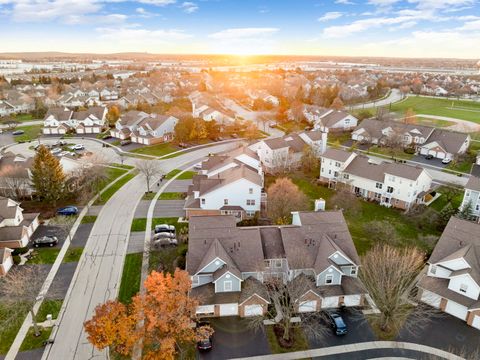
(228, 309)
(307, 306)
(253, 310)
(456, 310)
(424, 151)
(431, 299)
(476, 322)
(206, 309)
(352, 300)
(330, 302)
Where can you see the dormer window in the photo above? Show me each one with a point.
(463, 288)
(433, 269)
(227, 285)
(328, 279)
(353, 271)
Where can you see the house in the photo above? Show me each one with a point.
(6, 260)
(285, 152)
(471, 197)
(452, 282)
(445, 144)
(229, 265)
(391, 132)
(229, 186)
(58, 121)
(329, 119)
(16, 228)
(127, 123)
(15, 175)
(391, 184)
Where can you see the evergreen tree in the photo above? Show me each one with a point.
(466, 212)
(47, 175)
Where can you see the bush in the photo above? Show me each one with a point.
(410, 151)
(20, 251)
(16, 259)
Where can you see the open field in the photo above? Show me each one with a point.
(458, 109)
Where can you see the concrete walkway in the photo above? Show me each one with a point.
(354, 348)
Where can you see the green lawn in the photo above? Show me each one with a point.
(465, 110)
(33, 342)
(442, 201)
(31, 133)
(130, 284)
(24, 117)
(73, 254)
(47, 255)
(156, 150)
(49, 307)
(10, 328)
(107, 194)
(434, 122)
(172, 196)
(300, 344)
(89, 219)
(395, 153)
(187, 175)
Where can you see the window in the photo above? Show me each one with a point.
(433, 269)
(463, 288)
(267, 263)
(250, 191)
(337, 164)
(335, 173)
(328, 279)
(225, 201)
(392, 178)
(329, 172)
(353, 271)
(227, 286)
(477, 207)
(203, 201)
(467, 193)
(378, 185)
(278, 263)
(346, 176)
(250, 202)
(389, 189)
(347, 121)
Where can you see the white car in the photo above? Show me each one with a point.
(165, 241)
(198, 166)
(56, 151)
(77, 147)
(446, 161)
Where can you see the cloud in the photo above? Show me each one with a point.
(129, 34)
(344, 2)
(189, 7)
(332, 15)
(471, 26)
(156, 2)
(242, 33)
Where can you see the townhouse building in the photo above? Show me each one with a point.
(59, 121)
(471, 197)
(391, 184)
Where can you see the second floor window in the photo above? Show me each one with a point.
(203, 201)
(250, 191)
(390, 189)
(328, 279)
(463, 288)
(250, 202)
(227, 286)
(225, 201)
(337, 164)
(378, 185)
(346, 176)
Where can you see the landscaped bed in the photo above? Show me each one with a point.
(107, 194)
(298, 340)
(130, 284)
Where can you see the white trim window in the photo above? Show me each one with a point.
(353, 271)
(227, 285)
(328, 279)
(463, 288)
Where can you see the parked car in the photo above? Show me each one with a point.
(429, 157)
(77, 147)
(63, 153)
(61, 143)
(45, 241)
(68, 210)
(164, 234)
(446, 161)
(198, 166)
(337, 323)
(165, 241)
(164, 228)
(125, 142)
(18, 132)
(56, 151)
(204, 344)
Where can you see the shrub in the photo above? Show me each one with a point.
(410, 151)
(20, 251)
(16, 259)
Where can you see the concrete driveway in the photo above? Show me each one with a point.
(357, 326)
(233, 338)
(448, 333)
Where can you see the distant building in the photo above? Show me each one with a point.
(60, 121)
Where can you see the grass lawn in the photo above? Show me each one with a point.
(73, 254)
(31, 133)
(441, 202)
(187, 175)
(24, 117)
(107, 194)
(44, 255)
(465, 110)
(149, 196)
(156, 150)
(140, 223)
(49, 307)
(391, 153)
(10, 328)
(130, 284)
(300, 344)
(89, 219)
(434, 122)
(33, 342)
(172, 196)
(123, 166)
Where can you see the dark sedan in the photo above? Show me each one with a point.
(337, 323)
(45, 241)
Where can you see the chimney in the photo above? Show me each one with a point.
(320, 204)
(324, 141)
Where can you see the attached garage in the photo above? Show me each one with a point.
(307, 306)
(253, 310)
(476, 322)
(330, 302)
(352, 300)
(228, 309)
(205, 310)
(456, 310)
(431, 299)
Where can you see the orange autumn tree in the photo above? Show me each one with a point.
(166, 311)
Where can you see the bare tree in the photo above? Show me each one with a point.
(149, 170)
(19, 290)
(346, 201)
(283, 198)
(389, 273)
(15, 181)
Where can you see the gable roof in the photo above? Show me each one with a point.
(473, 183)
(450, 141)
(337, 154)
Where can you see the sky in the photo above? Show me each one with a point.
(390, 28)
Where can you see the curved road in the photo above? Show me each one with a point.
(98, 274)
(394, 96)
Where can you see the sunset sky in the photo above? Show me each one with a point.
(412, 28)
